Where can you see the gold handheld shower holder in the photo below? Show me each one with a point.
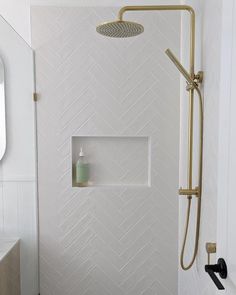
(122, 29)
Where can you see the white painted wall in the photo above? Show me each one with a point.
(17, 168)
(117, 239)
(208, 46)
(17, 14)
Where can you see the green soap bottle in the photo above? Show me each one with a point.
(82, 170)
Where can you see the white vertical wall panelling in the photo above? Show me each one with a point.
(113, 240)
(208, 44)
(226, 184)
(231, 239)
(17, 168)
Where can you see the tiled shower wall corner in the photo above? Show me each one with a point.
(113, 240)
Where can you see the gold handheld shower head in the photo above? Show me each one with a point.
(120, 29)
(182, 70)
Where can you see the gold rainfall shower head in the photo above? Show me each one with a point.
(120, 29)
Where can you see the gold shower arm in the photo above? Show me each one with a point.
(191, 73)
(170, 7)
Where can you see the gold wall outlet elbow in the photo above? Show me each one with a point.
(210, 249)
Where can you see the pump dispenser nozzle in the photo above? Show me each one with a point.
(81, 154)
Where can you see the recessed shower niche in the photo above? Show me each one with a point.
(113, 161)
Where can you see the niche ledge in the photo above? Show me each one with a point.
(114, 161)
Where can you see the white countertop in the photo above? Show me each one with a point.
(6, 244)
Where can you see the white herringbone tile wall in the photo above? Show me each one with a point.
(106, 240)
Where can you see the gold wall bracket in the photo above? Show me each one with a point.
(198, 78)
(189, 192)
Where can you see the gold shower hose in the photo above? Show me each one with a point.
(186, 267)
